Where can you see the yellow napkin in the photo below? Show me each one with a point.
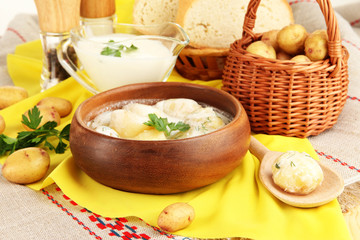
(236, 206)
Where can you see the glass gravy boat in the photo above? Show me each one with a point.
(115, 54)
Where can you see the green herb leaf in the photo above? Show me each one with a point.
(49, 145)
(7, 140)
(117, 53)
(114, 50)
(6, 144)
(36, 137)
(182, 127)
(61, 147)
(132, 47)
(292, 164)
(110, 51)
(277, 165)
(65, 132)
(162, 125)
(48, 126)
(33, 120)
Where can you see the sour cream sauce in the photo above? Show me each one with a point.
(148, 63)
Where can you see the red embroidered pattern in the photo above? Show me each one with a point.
(354, 98)
(351, 43)
(355, 22)
(115, 227)
(300, 1)
(118, 227)
(69, 213)
(337, 161)
(17, 33)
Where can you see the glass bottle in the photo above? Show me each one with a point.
(56, 19)
(52, 72)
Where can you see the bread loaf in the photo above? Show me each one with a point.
(154, 11)
(217, 24)
(212, 23)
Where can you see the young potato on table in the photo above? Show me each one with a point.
(26, 165)
(10, 95)
(2, 124)
(176, 216)
(61, 105)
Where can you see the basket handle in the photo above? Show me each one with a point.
(334, 43)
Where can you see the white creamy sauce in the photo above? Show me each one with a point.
(128, 122)
(148, 63)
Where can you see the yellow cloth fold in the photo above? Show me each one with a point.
(236, 206)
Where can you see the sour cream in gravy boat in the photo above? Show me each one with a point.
(115, 54)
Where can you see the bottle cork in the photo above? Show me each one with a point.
(97, 9)
(57, 16)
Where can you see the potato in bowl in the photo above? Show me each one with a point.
(159, 166)
(173, 118)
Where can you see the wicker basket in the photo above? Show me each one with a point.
(284, 97)
(201, 64)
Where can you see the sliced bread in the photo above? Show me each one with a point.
(217, 24)
(154, 11)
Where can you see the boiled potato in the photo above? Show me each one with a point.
(48, 114)
(143, 110)
(205, 118)
(176, 217)
(282, 56)
(107, 131)
(300, 58)
(10, 95)
(102, 119)
(2, 124)
(26, 166)
(270, 38)
(297, 172)
(150, 134)
(128, 124)
(178, 107)
(262, 49)
(61, 105)
(316, 45)
(291, 39)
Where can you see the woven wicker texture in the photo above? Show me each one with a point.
(198, 64)
(284, 97)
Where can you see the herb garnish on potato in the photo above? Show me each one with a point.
(162, 125)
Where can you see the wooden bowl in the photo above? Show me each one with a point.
(159, 167)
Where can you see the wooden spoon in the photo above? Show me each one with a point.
(331, 187)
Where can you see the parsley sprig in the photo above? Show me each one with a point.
(43, 134)
(162, 125)
(117, 50)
